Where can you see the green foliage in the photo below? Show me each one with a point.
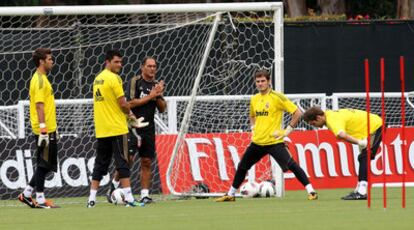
(307, 18)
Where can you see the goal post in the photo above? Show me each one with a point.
(202, 50)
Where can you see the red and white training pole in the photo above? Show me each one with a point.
(384, 182)
(404, 147)
(368, 107)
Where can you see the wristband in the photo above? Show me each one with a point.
(288, 130)
(42, 125)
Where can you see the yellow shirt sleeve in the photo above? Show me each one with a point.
(252, 113)
(336, 125)
(117, 87)
(39, 90)
(285, 104)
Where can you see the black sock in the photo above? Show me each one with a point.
(40, 177)
(299, 173)
(239, 177)
(32, 182)
(362, 171)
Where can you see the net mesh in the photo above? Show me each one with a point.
(218, 134)
(242, 44)
(392, 107)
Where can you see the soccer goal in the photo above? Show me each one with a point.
(206, 54)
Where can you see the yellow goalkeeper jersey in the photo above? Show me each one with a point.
(268, 111)
(352, 121)
(109, 119)
(41, 91)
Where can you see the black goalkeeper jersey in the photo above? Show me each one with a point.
(139, 88)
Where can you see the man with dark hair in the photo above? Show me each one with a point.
(110, 115)
(266, 113)
(145, 95)
(44, 127)
(350, 125)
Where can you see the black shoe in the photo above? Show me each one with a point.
(26, 200)
(313, 196)
(90, 204)
(146, 200)
(354, 196)
(109, 193)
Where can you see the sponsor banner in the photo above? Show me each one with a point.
(76, 159)
(208, 158)
(329, 163)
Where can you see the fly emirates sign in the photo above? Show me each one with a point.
(329, 163)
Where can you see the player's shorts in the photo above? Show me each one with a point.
(116, 146)
(143, 145)
(46, 156)
(376, 139)
(255, 152)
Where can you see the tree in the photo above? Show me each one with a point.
(295, 8)
(412, 10)
(332, 6)
(405, 9)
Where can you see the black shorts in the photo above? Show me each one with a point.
(143, 145)
(255, 152)
(376, 139)
(116, 146)
(46, 157)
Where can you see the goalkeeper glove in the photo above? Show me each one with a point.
(43, 140)
(280, 134)
(362, 144)
(133, 122)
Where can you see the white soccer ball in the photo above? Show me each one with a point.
(118, 196)
(249, 189)
(267, 189)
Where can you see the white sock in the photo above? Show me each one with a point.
(144, 193)
(92, 195)
(232, 191)
(363, 187)
(128, 194)
(115, 183)
(40, 198)
(356, 188)
(28, 191)
(309, 188)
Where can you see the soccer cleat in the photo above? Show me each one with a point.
(91, 204)
(47, 205)
(26, 200)
(225, 198)
(44, 206)
(313, 196)
(354, 196)
(109, 193)
(146, 200)
(134, 204)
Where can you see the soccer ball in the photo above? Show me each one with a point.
(249, 189)
(267, 189)
(118, 196)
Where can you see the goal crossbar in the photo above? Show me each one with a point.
(137, 9)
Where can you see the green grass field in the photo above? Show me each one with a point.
(291, 212)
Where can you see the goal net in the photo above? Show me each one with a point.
(206, 54)
(392, 159)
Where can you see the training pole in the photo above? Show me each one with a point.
(384, 182)
(368, 107)
(404, 147)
